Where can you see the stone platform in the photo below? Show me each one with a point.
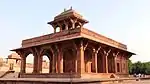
(65, 81)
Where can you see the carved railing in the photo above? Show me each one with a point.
(42, 39)
(66, 33)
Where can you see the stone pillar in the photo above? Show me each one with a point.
(54, 28)
(106, 63)
(73, 23)
(115, 64)
(80, 24)
(94, 62)
(50, 66)
(40, 61)
(121, 64)
(66, 25)
(76, 66)
(54, 64)
(60, 61)
(106, 60)
(126, 66)
(35, 66)
(80, 59)
(23, 64)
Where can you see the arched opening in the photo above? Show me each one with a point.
(69, 61)
(100, 61)
(46, 61)
(57, 29)
(29, 63)
(45, 64)
(88, 60)
(77, 25)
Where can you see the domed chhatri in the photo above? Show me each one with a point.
(67, 20)
(74, 51)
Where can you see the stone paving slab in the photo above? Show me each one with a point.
(78, 80)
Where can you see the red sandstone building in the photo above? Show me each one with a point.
(74, 51)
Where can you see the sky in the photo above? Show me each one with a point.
(126, 21)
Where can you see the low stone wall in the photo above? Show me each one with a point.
(49, 75)
(66, 81)
(47, 81)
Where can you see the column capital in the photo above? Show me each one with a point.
(84, 48)
(107, 52)
(96, 50)
(73, 20)
(81, 25)
(115, 54)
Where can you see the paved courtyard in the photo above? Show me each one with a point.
(135, 82)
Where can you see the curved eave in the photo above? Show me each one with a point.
(57, 20)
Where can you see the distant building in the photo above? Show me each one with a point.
(13, 62)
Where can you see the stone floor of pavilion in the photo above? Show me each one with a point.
(72, 80)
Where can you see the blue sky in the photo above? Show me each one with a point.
(126, 21)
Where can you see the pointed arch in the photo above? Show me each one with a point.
(46, 65)
(29, 63)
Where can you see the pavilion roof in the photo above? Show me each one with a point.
(83, 33)
(68, 14)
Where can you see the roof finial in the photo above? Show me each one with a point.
(71, 7)
(64, 9)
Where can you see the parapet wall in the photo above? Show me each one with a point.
(69, 34)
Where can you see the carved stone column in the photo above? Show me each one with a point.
(23, 61)
(23, 64)
(50, 66)
(54, 26)
(115, 63)
(60, 60)
(40, 58)
(94, 62)
(106, 66)
(66, 25)
(104, 63)
(80, 59)
(106, 60)
(35, 66)
(73, 23)
(94, 59)
(126, 66)
(121, 64)
(54, 63)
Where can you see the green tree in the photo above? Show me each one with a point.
(130, 66)
(139, 67)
